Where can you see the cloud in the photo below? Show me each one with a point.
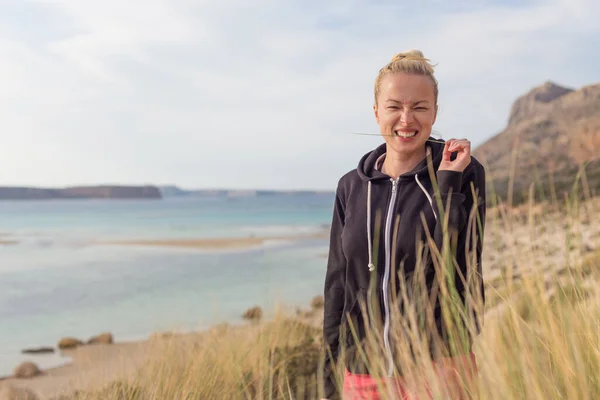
(261, 94)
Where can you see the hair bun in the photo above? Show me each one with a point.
(409, 54)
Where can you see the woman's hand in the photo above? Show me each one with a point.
(463, 158)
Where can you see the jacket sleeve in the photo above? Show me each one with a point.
(335, 278)
(463, 198)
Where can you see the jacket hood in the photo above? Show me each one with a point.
(366, 166)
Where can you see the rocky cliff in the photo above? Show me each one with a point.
(552, 131)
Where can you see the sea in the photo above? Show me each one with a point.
(59, 278)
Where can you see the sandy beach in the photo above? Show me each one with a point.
(93, 367)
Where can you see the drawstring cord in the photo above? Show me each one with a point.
(371, 266)
(426, 194)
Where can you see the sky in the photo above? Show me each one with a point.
(259, 94)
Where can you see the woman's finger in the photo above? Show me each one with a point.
(446, 154)
(460, 145)
(459, 141)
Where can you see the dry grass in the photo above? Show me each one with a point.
(266, 361)
(540, 339)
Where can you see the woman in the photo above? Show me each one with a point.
(383, 209)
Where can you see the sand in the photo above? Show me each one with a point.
(236, 243)
(93, 366)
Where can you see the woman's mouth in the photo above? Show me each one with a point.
(406, 134)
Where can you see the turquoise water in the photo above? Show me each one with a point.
(55, 282)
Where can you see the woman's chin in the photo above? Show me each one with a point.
(403, 145)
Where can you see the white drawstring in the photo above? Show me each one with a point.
(371, 266)
(426, 194)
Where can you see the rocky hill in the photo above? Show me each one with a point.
(81, 192)
(552, 131)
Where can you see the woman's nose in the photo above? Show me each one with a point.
(406, 117)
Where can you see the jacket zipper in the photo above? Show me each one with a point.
(386, 276)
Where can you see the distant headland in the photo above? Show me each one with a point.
(81, 192)
(136, 192)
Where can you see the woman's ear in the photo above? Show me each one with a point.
(376, 113)
(435, 111)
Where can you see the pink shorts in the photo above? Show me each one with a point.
(448, 371)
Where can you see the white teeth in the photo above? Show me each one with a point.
(406, 134)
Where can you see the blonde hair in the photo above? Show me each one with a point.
(408, 62)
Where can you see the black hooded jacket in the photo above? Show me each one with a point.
(367, 206)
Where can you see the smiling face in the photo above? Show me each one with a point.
(405, 111)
